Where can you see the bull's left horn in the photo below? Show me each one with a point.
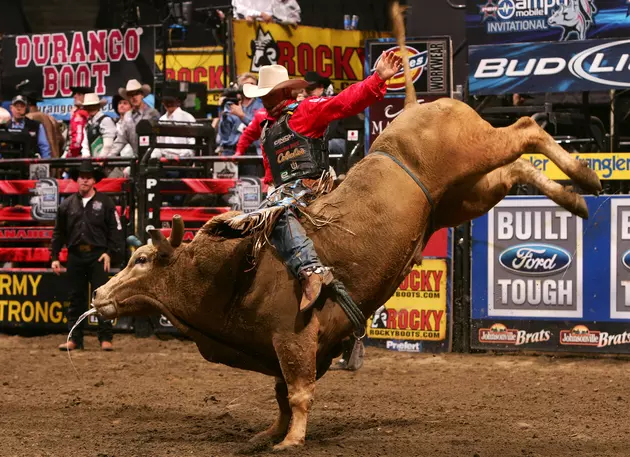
(177, 231)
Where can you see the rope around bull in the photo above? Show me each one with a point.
(350, 308)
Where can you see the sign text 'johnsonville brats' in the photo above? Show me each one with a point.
(417, 310)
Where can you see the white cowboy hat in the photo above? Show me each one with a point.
(92, 99)
(272, 77)
(134, 85)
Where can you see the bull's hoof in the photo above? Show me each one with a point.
(580, 209)
(267, 437)
(588, 179)
(287, 445)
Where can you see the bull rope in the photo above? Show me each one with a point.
(351, 309)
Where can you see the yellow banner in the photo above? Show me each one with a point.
(197, 65)
(417, 310)
(335, 54)
(607, 165)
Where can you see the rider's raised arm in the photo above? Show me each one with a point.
(315, 113)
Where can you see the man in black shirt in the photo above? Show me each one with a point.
(87, 222)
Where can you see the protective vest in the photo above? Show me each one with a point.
(291, 155)
(32, 128)
(93, 131)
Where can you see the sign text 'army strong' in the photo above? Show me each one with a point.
(534, 260)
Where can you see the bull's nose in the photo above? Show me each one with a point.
(93, 297)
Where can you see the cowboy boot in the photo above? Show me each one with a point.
(70, 346)
(312, 281)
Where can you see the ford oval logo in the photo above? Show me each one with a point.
(626, 259)
(535, 259)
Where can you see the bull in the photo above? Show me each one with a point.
(437, 165)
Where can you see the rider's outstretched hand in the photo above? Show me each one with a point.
(388, 65)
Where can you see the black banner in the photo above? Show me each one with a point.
(51, 64)
(542, 335)
(38, 300)
(430, 62)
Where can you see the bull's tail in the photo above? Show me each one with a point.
(398, 24)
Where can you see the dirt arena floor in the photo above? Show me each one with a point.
(160, 398)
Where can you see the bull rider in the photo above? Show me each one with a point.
(293, 138)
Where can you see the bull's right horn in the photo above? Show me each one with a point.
(177, 231)
(161, 243)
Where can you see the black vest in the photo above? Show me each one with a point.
(31, 127)
(291, 155)
(94, 131)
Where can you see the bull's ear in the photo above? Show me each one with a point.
(177, 231)
(161, 243)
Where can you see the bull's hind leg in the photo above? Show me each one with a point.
(523, 172)
(474, 198)
(297, 353)
(279, 428)
(526, 136)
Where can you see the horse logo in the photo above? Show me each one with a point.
(264, 51)
(574, 18)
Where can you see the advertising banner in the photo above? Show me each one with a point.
(335, 54)
(608, 165)
(381, 113)
(571, 66)
(38, 300)
(513, 21)
(416, 317)
(429, 62)
(51, 64)
(543, 278)
(196, 65)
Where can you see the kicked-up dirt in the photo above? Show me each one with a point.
(160, 398)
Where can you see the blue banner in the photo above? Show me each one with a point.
(575, 66)
(515, 21)
(538, 270)
(61, 108)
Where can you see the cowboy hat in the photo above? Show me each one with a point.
(270, 78)
(80, 90)
(315, 79)
(133, 85)
(86, 167)
(171, 93)
(93, 100)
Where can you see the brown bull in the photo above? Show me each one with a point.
(381, 219)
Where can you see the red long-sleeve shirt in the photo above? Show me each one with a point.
(78, 121)
(251, 134)
(313, 114)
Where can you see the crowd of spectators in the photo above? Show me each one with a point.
(93, 131)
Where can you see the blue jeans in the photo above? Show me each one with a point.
(294, 246)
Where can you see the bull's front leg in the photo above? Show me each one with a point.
(297, 353)
(279, 428)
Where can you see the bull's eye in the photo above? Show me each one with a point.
(140, 260)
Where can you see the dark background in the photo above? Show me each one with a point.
(425, 18)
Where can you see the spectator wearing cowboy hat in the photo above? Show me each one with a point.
(77, 122)
(171, 100)
(317, 84)
(120, 106)
(87, 222)
(100, 130)
(134, 93)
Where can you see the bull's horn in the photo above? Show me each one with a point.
(177, 231)
(161, 243)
